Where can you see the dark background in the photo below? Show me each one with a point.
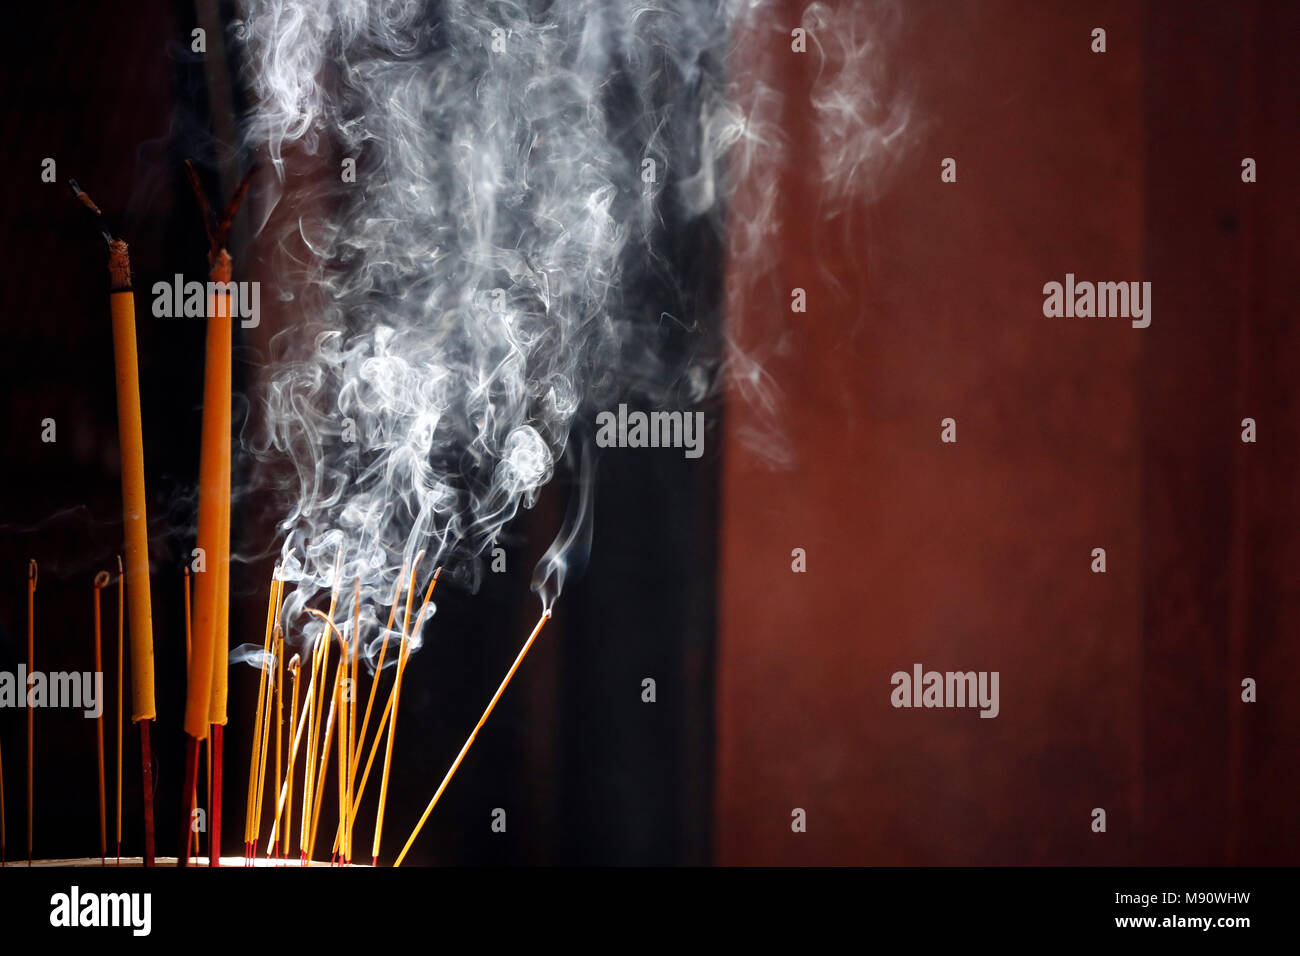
(586, 771)
(1118, 691)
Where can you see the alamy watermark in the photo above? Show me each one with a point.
(947, 689)
(76, 690)
(626, 429)
(1121, 300)
(75, 909)
(179, 299)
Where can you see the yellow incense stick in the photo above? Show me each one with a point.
(352, 722)
(2, 808)
(121, 609)
(374, 684)
(320, 661)
(546, 615)
(193, 803)
(101, 580)
(355, 804)
(31, 711)
(286, 789)
(131, 442)
(392, 716)
(335, 710)
(279, 707)
(254, 775)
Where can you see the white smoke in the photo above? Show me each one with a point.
(518, 168)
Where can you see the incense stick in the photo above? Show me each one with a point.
(195, 800)
(121, 609)
(321, 650)
(206, 694)
(352, 722)
(374, 686)
(396, 696)
(3, 859)
(294, 666)
(254, 778)
(324, 763)
(130, 432)
(101, 580)
(335, 698)
(546, 615)
(31, 711)
(131, 442)
(261, 768)
(279, 705)
(355, 804)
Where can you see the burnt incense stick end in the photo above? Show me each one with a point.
(96, 213)
(80, 195)
(119, 268)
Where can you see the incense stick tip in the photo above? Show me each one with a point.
(119, 266)
(101, 580)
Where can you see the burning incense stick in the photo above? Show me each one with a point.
(131, 442)
(101, 581)
(279, 705)
(384, 718)
(294, 666)
(31, 666)
(254, 779)
(206, 694)
(311, 713)
(379, 666)
(335, 708)
(134, 519)
(352, 723)
(396, 697)
(324, 762)
(546, 616)
(261, 764)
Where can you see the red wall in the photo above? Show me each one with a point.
(1118, 690)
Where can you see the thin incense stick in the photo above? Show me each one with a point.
(279, 707)
(31, 711)
(294, 666)
(194, 802)
(3, 859)
(121, 674)
(255, 750)
(546, 616)
(321, 650)
(392, 716)
(101, 580)
(261, 765)
(324, 762)
(346, 805)
(316, 726)
(335, 707)
(388, 709)
(374, 686)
